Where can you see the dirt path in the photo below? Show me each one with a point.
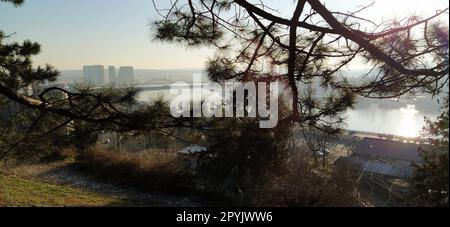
(65, 173)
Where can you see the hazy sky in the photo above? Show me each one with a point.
(117, 32)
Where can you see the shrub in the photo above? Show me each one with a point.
(304, 185)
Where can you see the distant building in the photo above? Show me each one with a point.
(383, 168)
(390, 149)
(112, 74)
(94, 75)
(87, 74)
(125, 76)
(386, 157)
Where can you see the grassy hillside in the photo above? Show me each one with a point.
(19, 192)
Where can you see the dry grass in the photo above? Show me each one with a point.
(146, 170)
(19, 192)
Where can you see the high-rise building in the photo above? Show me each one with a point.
(125, 76)
(94, 75)
(87, 74)
(112, 74)
(99, 75)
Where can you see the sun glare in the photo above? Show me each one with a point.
(409, 126)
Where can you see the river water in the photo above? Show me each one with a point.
(404, 117)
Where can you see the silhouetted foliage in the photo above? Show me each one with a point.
(14, 2)
(38, 114)
(254, 42)
(430, 180)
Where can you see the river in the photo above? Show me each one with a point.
(404, 117)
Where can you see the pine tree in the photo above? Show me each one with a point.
(54, 109)
(255, 42)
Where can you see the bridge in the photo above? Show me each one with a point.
(161, 87)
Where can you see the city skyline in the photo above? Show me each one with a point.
(96, 75)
